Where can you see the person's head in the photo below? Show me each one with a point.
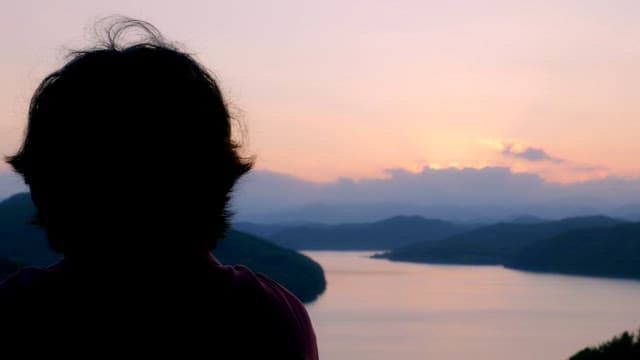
(129, 147)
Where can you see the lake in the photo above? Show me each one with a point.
(377, 309)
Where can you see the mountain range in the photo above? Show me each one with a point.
(380, 235)
(590, 245)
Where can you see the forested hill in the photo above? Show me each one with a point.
(493, 244)
(23, 243)
(381, 235)
(612, 251)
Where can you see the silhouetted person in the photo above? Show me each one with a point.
(130, 161)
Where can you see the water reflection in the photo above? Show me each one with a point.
(376, 309)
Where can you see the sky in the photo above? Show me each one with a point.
(338, 89)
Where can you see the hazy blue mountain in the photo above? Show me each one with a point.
(344, 213)
(629, 212)
(612, 251)
(26, 244)
(381, 235)
(262, 230)
(526, 219)
(492, 244)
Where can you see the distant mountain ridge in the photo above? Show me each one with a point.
(526, 219)
(21, 243)
(263, 230)
(381, 235)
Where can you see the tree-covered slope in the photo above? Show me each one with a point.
(492, 244)
(612, 251)
(23, 243)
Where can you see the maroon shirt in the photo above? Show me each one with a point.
(205, 305)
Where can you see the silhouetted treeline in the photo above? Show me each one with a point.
(622, 347)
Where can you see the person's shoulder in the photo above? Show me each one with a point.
(246, 280)
(281, 309)
(263, 289)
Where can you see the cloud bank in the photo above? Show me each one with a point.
(468, 194)
(464, 195)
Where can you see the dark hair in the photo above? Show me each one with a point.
(130, 147)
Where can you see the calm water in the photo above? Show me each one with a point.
(376, 309)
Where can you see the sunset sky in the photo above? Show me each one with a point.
(339, 88)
